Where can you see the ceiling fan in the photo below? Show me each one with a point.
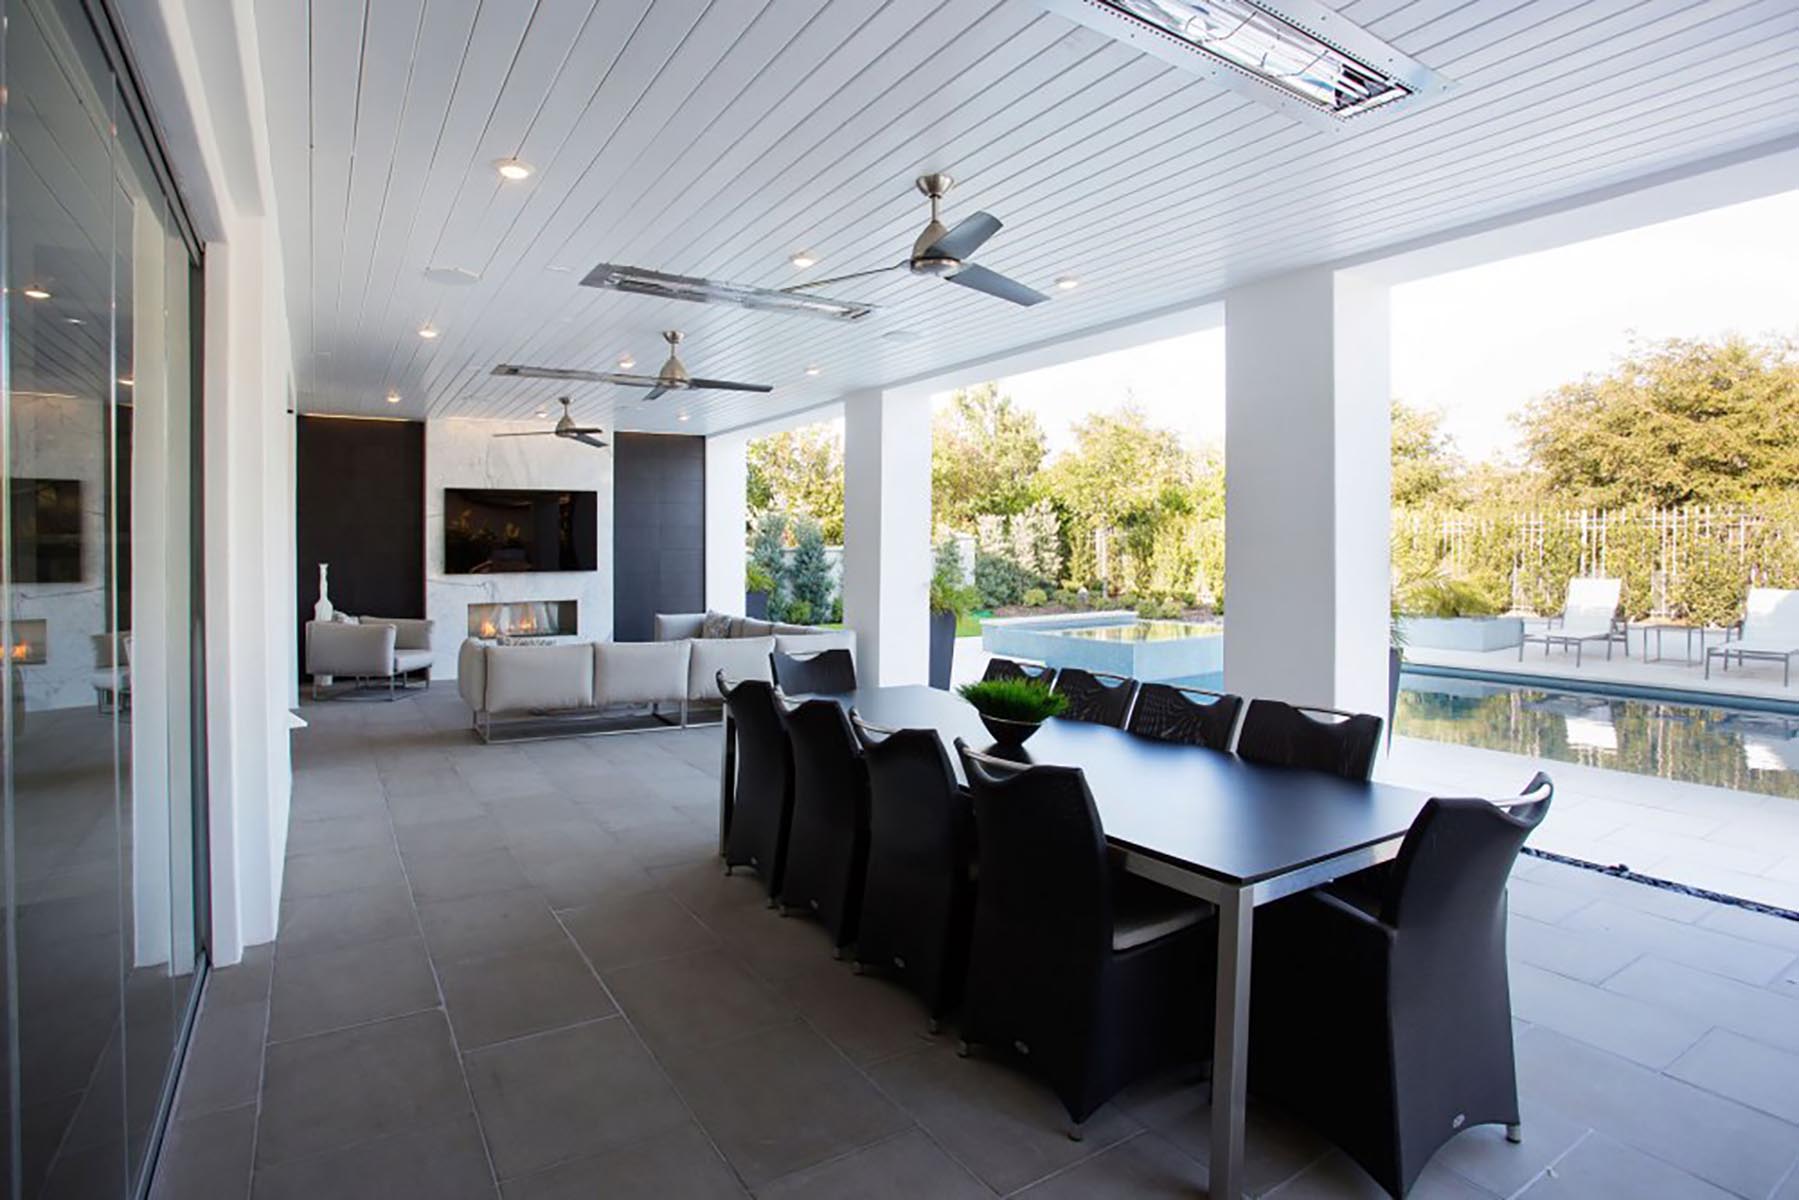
(566, 428)
(944, 252)
(673, 377)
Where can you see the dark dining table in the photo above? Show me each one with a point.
(1235, 833)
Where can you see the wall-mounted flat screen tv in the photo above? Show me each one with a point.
(490, 532)
(46, 530)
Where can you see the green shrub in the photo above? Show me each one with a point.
(809, 572)
(1035, 597)
(1000, 580)
(757, 579)
(948, 593)
(1014, 699)
(1065, 597)
(797, 612)
(1448, 598)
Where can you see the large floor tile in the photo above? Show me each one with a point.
(1602, 1169)
(331, 989)
(1757, 1013)
(1574, 953)
(440, 1162)
(580, 882)
(677, 1165)
(528, 991)
(461, 837)
(309, 875)
(334, 1089)
(224, 1057)
(570, 1093)
(1276, 1147)
(1747, 1071)
(207, 1156)
(865, 1016)
(781, 1100)
(494, 870)
(333, 834)
(347, 918)
(900, 1168)
(1145, 1166)
(1636, 1030)
(1336, 1177)
(1483, 1156)
(635, 928)
(1002, 1125)
(490, 923)
(1682, 941)
(1719, 1140)
(774, 947)
(695, 999)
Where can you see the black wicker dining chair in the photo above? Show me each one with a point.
(827, 672)
(1317, 739)
(762, 798)
(1414, 1043)
(1094, 977)
(1006, 668)
(827, 847)
(918, 902)
(1095, 697)
(1190, 716)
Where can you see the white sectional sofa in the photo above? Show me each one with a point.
(677, 670)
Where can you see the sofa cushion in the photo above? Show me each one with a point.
(716, 625)
(640, 672)
(751, 627)
(471, 674)
(813, 642)
(738, 658)
(669, 626)
(521, 678)
(410, 633)
(334, 648)
(407, 661)
(784, 627)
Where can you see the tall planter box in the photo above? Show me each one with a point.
(755, 604)
(943, 649)
(1462, 633)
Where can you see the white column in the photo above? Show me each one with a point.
(887, 534)
(727, 481)
(1308, 490)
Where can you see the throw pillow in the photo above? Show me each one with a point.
(716, 625)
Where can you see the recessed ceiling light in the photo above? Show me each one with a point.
(75, 320)
(626, 362)
(814, 371)
(558, 268)
(512, 168)
(453, 276)
(1068, 283)
(34, 292)
(540, 413)
(680, 416)
(902, 335)
(803, 259)
(393, 397)
(427, 332)
(127, 381)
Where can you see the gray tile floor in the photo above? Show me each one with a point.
(517, 971)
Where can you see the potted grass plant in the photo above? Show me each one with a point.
(1013, 709)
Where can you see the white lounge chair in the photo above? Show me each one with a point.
(1587, 616)
(1770, 630)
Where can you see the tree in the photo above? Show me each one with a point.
(1674, 422)
(1426, 469)
(809, 573)
(985, 452)
(799, 472)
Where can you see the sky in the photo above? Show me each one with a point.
(1478, 344)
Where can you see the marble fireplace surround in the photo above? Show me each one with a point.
(464, 453)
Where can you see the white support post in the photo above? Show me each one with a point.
(887, 534)
(1308, 490)
(727, 479)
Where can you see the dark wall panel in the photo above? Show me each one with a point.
(360, 506)
(659, 530)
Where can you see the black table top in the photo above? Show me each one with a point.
(1235, 821)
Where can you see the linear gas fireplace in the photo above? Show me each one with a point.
(523, 619)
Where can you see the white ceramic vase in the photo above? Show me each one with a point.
(322, 611)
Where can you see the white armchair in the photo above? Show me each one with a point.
(374, 648)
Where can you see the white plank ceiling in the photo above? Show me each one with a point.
(719, 138)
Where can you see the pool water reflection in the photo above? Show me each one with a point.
(1721, 747)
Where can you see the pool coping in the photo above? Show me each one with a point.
(1692, 697)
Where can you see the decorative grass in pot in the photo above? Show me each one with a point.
(1012, 709)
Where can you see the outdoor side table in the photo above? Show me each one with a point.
(1687, 630)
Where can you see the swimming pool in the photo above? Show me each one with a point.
(1722, 747)
(1118, 643)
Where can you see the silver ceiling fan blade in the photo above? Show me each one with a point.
(515, 371)
(656, 393)
(725, 385)
(533, 433)
(580, 429)
(817, 283)
(995, 284)
(585, 439)
(969, 235)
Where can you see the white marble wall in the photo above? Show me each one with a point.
(64, 437)
(464, 453)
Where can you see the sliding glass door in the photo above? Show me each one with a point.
(103, 883)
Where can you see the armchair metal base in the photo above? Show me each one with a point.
(542, 726)
(1783, 657)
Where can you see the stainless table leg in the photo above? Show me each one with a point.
(1230, 1045)
(727, 779)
